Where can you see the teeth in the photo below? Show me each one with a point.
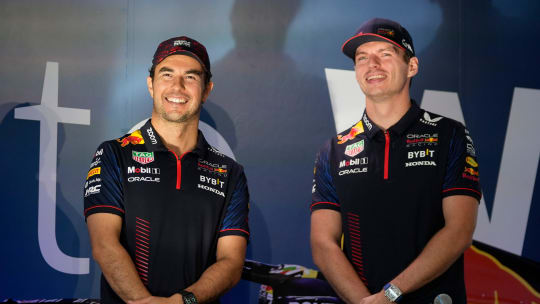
(375, 77)
(176, 100)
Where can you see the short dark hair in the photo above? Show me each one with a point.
(407, 57)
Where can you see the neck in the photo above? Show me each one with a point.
(386, 113)
(177, 137)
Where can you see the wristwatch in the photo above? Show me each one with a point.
(392, 293)
(188, 297)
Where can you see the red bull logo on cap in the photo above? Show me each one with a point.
(134, 138)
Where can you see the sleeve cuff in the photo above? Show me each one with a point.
(325, 205)
(234, 231)
(103, 209)
(462, 191)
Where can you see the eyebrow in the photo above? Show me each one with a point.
(192, 71)
(165, 69)
(390, 47)
(195, 71)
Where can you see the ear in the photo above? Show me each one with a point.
(207, 90)
(150, 86)
(413, 67)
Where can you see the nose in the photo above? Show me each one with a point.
(374, 61)
(179, 82)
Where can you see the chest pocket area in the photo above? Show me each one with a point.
(421, 162)
(213, 184)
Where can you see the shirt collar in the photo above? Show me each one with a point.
(407, 120)
(369, 126)
(399, 128)
(153, 142)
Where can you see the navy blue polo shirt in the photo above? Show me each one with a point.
(173, 207)
(388, 187)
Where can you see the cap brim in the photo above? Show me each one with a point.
(350, 46)
(190, 54)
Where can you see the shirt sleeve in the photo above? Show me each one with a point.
(323, 193)
(462, 170)
(103, 186)
(235, 221)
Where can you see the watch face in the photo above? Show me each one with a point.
(392, 293)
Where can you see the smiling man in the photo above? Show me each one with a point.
(395, 197)
(166, 212)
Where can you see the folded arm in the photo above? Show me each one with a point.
(112, 257)
(443, 249)
(328, 256)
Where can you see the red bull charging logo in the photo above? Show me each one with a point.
(134, 138)
(357, 129)
(489, 281)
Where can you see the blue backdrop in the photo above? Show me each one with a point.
(273, 104)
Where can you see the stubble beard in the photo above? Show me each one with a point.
(187, 116)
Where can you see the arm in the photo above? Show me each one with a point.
(112, 257)
(443, 249)
(225, 272)
(328, 256)
(218, 278)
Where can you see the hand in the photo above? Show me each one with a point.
(377, 298)
(174, 299)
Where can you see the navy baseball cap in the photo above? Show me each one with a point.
(378, 29)
(184, 46)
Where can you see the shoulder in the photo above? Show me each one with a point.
(114, 148)
(342, 137)
(436, 120)
(349, 134)
(215, 154)
(130, 139)
(218, 162)
(324, 150)
(125, 144)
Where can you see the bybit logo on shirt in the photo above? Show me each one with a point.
(420, 154)
(212, 181)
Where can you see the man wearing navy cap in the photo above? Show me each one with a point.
(167, 212)
(395, 196)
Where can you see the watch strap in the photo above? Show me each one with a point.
(188, 297)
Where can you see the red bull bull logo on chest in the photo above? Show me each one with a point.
(134, 138)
